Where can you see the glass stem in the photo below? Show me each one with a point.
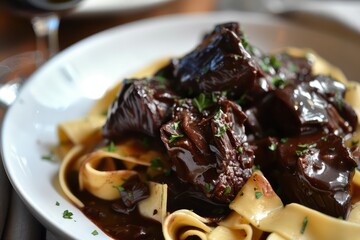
(46, 30)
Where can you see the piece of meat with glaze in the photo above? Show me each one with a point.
(207, 146)
(316, 171)
(294, 110)
(142, 105)
(219, 63)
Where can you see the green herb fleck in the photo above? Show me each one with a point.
(48, 157)
(284, 140)
(339, 100)
(145, 142)
(354, 143)
(240, 149)
(258, 195)
(274, 62)
(156, 163)
(304, 224)
(221, 130)
(67, 214)
(176, 125)
(111, 147)
(227, 190)
(273, 146)
(278, 82)
(161, 79)
(303, 145)
(256, 167)
(202, 102)
(292, 67)
(94, 233)
(332, 149)
(175, 137)
(207, 187)
(218, 114)
(324, 139)
(120, 188)
(57, 203)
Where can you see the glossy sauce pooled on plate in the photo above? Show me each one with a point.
(217, 113)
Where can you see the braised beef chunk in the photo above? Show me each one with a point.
(334, 92)
(299, 109)
(219, 63)
(283, 68)
(207, 145)
(142, 105)
(316, 171)
(131, 192)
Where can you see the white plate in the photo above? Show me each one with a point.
(100, 7)
(68, 85)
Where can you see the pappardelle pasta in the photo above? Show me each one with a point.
(225, 142)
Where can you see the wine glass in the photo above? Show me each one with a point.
(45, 18)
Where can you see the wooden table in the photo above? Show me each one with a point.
(16, 35)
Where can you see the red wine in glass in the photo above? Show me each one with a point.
(35, 7)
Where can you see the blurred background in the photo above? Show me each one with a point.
(339, 18)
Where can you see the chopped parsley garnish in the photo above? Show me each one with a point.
(303, 145)
(324, 139)
(175, 137)
(221, 130)
(57, 203)
(332, 149)
(304, 224)
(256, 167)
(240, 149)
(156, 163)
(48, 157)
(273, 146)
(305, 148)
(176, 125)
(284, 140)
(292, 67)
(67, 214)
(218, 114)
(339, 101)
(94, 233)
(202, 102)
(161, 79)
(120, 188)
(207, 187)
(145, 142)
(227, 190)
(278, 82)
(354, 143)
(111, 147)
(274, 62)
(258, 195)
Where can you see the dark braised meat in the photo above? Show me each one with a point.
(142, 105)
(131, 192)
(294, 110)
(316, 171)
(219, 63)
(207, 146)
